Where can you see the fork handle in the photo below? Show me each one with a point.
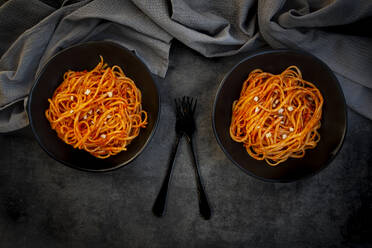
(160, 203)
(204, 208)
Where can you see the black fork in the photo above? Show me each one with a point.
(188, 106)
(185, 125)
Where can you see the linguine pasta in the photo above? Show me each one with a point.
(98, 111)
(277, 116)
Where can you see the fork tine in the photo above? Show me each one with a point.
(193, 109)
(184, 104)
(191, 104)
(188, 105)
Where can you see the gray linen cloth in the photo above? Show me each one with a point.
(31, 31)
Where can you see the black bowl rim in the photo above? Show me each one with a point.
(271, 51)
(41, 72)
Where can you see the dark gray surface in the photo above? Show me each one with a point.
(45, 204)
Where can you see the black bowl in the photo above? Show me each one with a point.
(334, 119)
(81, 57)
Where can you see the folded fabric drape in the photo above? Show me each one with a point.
(31, 31)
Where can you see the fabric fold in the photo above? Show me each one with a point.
(32, 31)
(348, 55)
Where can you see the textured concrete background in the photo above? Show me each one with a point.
(45, 204)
